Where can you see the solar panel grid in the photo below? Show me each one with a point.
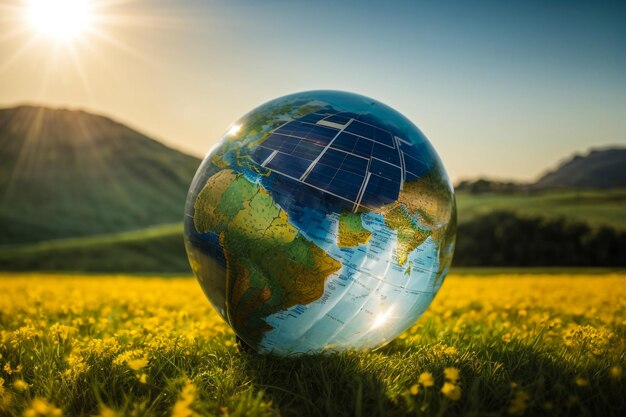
(288, 164)
(343, 166)
(386, 170)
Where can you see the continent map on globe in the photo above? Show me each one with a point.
(322, 221)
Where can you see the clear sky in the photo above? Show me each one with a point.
(502, 89)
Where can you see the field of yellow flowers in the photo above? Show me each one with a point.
(141, 346)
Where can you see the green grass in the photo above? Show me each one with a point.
(596, 207)
(523, 345)
(158, 248)
(73, 174)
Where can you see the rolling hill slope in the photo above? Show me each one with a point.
(600, 168)
(68, 173)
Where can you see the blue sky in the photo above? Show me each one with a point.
(503, 89)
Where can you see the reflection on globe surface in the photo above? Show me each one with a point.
(322, 221)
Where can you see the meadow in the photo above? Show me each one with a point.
(595, 207)
(499, 344)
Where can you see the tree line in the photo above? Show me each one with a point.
(503, 238)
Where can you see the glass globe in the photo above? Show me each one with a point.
(322, 221)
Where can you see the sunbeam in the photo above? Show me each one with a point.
(63, 30)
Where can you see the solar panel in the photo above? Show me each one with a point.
(312, 118)
(342, 120)
(346, 186)
(379, 191)
(307, 150)
(345, 141)
(371, 132)
(321, 135)
(363, 147)
(333, 158)
(261, 154)
(321, 175)
(415, 166)
(385, 170)
(348, 156)
(281, 143)
(288, 165)
(385, 153)
(354, 164)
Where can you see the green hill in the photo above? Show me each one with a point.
(595, 207)
(153, 249)
(600, 168)
(69, 173)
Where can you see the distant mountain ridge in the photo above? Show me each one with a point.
(69, 173)
(600, 168)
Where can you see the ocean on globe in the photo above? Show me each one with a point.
(322, 221)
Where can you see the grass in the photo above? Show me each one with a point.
(71, 174)
(158, 248)
(143, 346)
(596, 207)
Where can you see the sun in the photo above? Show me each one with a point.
(59, 19)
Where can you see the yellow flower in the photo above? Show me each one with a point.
(451, 374)
(143, 378)
(615, 372)
(414, 389)
(187, 396)
(137, 364)
(20, 385)
(42, 408)
(451, 391)
(518, 404)
(450, 351)
(426, 379)
(581, 382)
(107, 412)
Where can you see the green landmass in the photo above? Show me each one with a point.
(595, 207)
(351, 231)
(270, 265)
(410, 236)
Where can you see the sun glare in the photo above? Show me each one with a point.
(59, 19)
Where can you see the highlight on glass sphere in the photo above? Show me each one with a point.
(322, 221)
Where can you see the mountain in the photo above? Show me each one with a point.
(600, 168)
(69, 173)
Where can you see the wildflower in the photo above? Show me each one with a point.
(426, 379)
(143, 378)
(506, 338)
(137, 364)
(42, 408)
(187, 396)
(615, 372)
(75, 366)
(20, 385)
(518, 404)
(451, 391)
(107, 412)
(581, 382)
(414, 389)
(450, 351)
(451, 374)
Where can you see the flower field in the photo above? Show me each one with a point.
(525, 344)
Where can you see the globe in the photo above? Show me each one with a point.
(322, 221)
